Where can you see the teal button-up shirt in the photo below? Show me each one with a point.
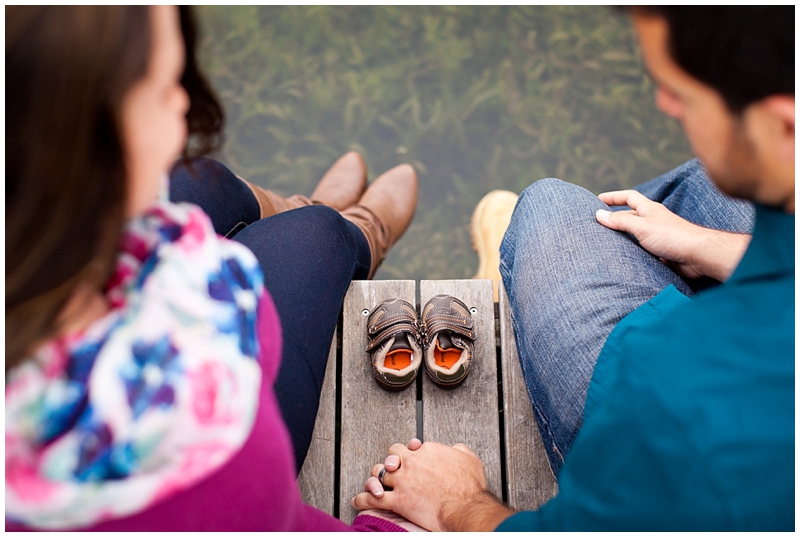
(689, 420)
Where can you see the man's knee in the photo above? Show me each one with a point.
(543, 190)
(543, 202)
(532, 206)
(548, 206)
(549, 196)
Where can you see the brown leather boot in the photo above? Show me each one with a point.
(339, 188)
(385, 211)
(343, 184)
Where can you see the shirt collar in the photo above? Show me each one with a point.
(771, 250)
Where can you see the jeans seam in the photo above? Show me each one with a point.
(550, 438)
(541, 420)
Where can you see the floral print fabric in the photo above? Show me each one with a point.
(150, 398)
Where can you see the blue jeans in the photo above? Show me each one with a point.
(308, 255)
(570, 281)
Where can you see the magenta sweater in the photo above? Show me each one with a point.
(256, 490)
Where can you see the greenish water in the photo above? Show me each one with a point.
(475, 98)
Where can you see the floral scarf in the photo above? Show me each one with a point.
(148, 399)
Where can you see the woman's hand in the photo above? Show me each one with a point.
(690, 250)
(435, 486)
(392, 463)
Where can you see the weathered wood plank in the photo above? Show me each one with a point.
(529, 479)
(468, 413)
(372, 418)
(316, 479)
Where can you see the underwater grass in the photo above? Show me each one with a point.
(475, 98)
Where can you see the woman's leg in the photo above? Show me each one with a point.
(309, 256)
(223, 197)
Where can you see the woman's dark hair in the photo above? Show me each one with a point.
(205, 118)
(745, 53)
(68, 69)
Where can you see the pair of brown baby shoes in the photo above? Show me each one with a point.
(399, 339)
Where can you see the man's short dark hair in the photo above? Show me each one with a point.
(746, 53)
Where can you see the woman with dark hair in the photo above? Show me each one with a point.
(142, 348)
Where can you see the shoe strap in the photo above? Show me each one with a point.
(391, 332)
(444, 312)
(436, 323)
(395, 320)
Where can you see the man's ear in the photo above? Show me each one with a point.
(781, 108)
(770, 128)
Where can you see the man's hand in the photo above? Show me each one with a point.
(690, 250)
(438, 487)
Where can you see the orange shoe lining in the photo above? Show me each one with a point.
(446, 358)
(397, 359)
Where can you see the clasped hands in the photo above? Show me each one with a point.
(437, 487)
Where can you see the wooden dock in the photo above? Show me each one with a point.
(490, 412)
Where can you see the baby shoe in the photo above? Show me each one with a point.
(395, 344)
(449, 340)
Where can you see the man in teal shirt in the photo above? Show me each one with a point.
(688, 420)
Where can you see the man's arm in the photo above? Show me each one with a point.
(690, 250)
(483, 513)
(438, 487)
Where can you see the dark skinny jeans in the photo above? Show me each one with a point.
(308, 255)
